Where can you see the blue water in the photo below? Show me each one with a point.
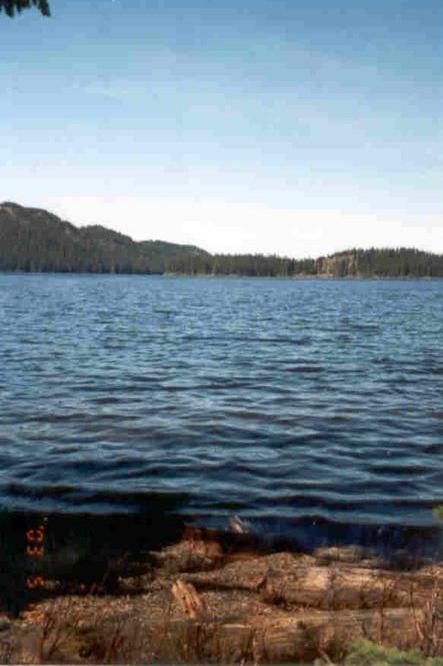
(276, 400)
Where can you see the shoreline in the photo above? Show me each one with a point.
(230, 276)
(221, 597)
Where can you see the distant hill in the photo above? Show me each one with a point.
(385, 262)
(38, 241)
(373, 263)
(34, 240)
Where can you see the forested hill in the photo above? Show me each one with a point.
(35, 240)
(373, 263)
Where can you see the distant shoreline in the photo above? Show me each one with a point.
(36, 241)
(353, 278)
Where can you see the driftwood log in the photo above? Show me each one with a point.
(239, 607)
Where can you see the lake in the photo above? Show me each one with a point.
(289, 403)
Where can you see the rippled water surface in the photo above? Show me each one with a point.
(277, 400)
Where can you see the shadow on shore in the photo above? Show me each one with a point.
(88, 553)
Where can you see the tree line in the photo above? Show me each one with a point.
(33, 240)
(13, 7)
(356, 263)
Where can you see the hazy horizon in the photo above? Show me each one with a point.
(275, 127)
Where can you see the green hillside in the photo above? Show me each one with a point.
(38, 241)
(34, 240)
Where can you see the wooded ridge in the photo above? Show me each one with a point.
(34, 240)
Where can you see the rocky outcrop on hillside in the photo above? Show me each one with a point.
(344, 264)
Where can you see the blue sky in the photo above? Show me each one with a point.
(297, 127)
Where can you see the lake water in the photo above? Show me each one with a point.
(285, 402)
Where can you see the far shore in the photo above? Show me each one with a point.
(345, 278)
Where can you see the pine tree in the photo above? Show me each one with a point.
(11, 7)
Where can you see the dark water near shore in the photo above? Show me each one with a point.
(285, 402)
